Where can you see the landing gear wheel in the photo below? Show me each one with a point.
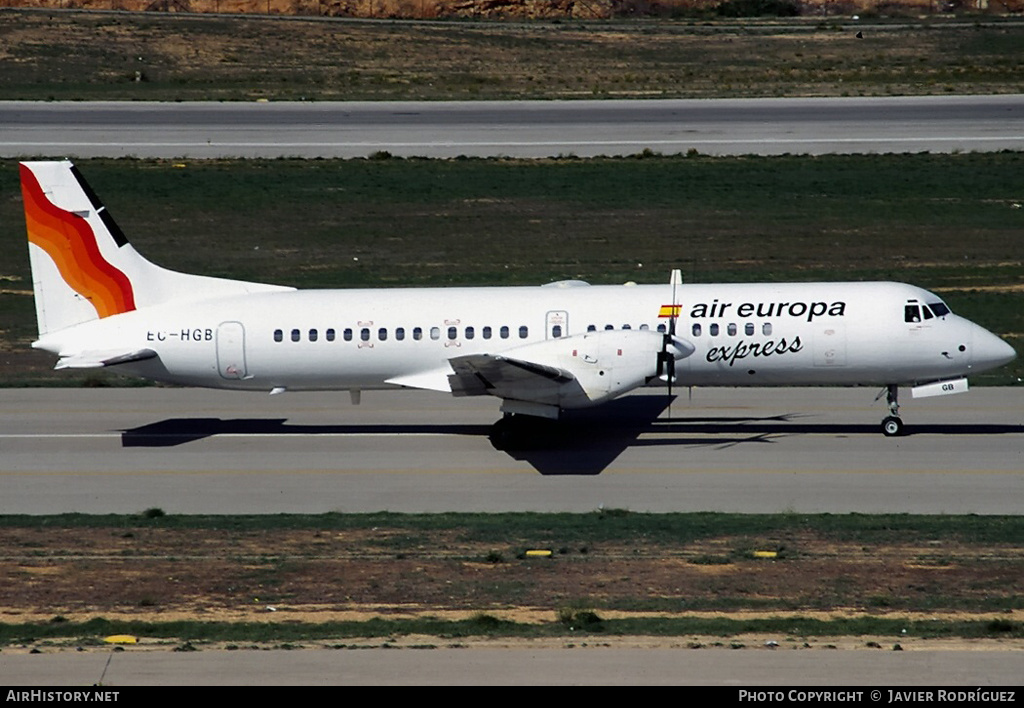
(892, 426)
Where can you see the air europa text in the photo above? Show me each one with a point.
(810, 310)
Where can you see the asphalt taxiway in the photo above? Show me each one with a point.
(738, 450)
(586, 128)
(593, 664)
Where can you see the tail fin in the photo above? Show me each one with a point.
(83, 267)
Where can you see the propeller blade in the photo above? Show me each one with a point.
(669, 348)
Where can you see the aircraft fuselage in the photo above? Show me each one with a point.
(742, 334)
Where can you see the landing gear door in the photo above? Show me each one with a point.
(231, 351)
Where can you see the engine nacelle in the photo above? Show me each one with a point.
(604, 364)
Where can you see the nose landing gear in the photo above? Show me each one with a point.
(892, 424)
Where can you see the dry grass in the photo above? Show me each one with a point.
(157, 56)
(162, 574)
(514, 9)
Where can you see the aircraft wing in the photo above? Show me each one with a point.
(544, 378)
(433, 380)
(505, 377)
(97, 359)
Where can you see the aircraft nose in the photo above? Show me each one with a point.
(990, 351)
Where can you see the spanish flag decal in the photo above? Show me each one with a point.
(669, 310)
(69, 240)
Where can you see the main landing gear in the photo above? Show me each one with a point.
(892, 424)
(522, 432)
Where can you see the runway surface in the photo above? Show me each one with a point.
(594, 665)
(740, 450)
(513, 128)
(195, 451)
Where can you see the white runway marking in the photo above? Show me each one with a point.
(245, 436)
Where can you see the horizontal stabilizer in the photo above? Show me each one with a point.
(98, 359)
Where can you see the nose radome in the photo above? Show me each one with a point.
(990, 351)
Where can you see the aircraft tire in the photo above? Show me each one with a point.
(892, 426)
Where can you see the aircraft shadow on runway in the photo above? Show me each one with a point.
(588, 444)
(583, 443)
(178, 431)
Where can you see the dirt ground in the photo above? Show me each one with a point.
(164, 575)
(517, 9)
(745, 641)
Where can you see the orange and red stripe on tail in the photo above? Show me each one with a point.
(69, 241)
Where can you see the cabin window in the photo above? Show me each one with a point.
(504, 331)
(524, 332)
(296, 335)
(731, 329)
(486, 332)
(626, 326)
(645, 326)
(417, 333)
(713, 329)
(313, 335)
(748, 329)
(556, 331)
(695, 329)
(453, 333)
(382, 334)
(400, 333)
(330, 335)
(435, 332)
(608, 326)
(591, 328)
(278, 335)
(766, 329)
(662, 328)
(470, 332)
(348, 334)
(364, 334)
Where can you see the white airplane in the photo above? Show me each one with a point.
(541, 350)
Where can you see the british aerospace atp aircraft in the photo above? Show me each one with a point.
(541, 350)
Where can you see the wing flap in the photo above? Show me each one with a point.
(505, 377)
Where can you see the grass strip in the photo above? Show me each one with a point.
(605, 525)
(483, 625)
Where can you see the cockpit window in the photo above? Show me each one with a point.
(927, 312)
(912, 313)
(939, 308)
